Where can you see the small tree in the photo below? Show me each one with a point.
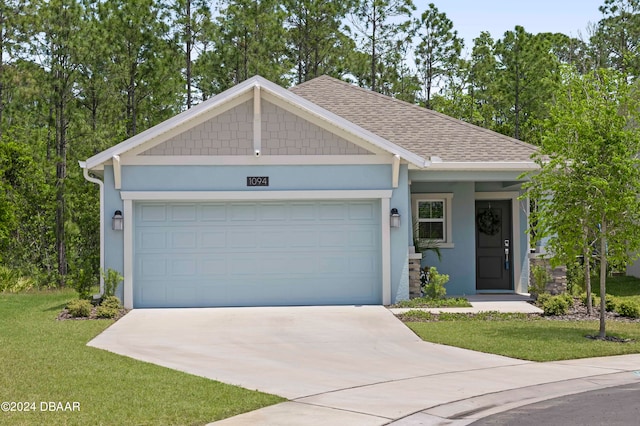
(587, 187)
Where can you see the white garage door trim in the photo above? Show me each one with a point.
(130, 196)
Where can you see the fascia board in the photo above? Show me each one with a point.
(523, 166)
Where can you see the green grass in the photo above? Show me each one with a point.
(47, 360)
(623, 288)
(530, 339)
(425, 302)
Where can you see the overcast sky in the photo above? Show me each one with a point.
(470, 17)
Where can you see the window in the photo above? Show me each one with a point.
(432, 218)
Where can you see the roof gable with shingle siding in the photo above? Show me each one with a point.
(424, 132)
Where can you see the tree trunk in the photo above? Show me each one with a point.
(587, 276)
(61, 175)
(603, 278)
(188, 37)
(373, 50)
(2, 25)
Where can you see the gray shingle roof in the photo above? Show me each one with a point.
(424, 132)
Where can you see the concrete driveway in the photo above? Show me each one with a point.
(293, 352)
(338, 364)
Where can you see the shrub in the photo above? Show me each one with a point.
(111, 280)
(630, 309)
(575, 278)
(79, 308)
(568, 298)
(83, 283)
(11, 281)
(540, 279)
(595, 300)
(109, 307)
(610, 303)
(555, 305)
(433, 283)
(542, 297)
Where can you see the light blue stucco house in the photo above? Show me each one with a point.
(269, 196)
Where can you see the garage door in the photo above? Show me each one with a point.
(257, 253)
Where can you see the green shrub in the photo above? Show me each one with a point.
(595, 300)
(610, 303)
(83, 283)
(568, 298)
(79, 308)
(540, 279)
(111, 280)
(542, 297)
(109, 307)
(628, 308)
(433, 283)
(111, 302)
(555, 305)
(12, 282)
(575, 278)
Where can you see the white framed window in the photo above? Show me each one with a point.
(432, 218)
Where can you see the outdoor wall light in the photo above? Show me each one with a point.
(117, 221)
(395, 218)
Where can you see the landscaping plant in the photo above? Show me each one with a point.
(433, 283)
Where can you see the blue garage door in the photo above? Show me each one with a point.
(257, 253)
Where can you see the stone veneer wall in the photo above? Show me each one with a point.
(558, 275)
(414, 275)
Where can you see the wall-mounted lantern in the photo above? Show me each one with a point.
(395, 218)
(117, 221)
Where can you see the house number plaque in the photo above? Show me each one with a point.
(257, 180)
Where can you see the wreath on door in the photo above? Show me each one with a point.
(488, 222)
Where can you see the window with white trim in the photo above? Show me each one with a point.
(432, 218)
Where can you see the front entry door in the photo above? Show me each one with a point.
(494, 245)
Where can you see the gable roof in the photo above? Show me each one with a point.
(208, 108)
(422, 131)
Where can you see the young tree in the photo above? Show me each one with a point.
(590, 172)
(438, 50)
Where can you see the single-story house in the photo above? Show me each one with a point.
(311, 195)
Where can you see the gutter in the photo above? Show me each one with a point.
(85, 173)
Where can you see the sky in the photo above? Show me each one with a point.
(470, 17)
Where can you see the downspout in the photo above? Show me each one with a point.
(85, 173)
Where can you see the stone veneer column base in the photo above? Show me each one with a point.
(557, 283)
(414, 273)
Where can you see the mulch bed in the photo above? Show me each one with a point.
(579, 313)
(64, 315)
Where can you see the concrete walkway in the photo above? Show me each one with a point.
(348, 365)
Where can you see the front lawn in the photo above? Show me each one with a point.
(45, 360)
(530, 337)
(624, 288)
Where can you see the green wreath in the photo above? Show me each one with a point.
(488, 222)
